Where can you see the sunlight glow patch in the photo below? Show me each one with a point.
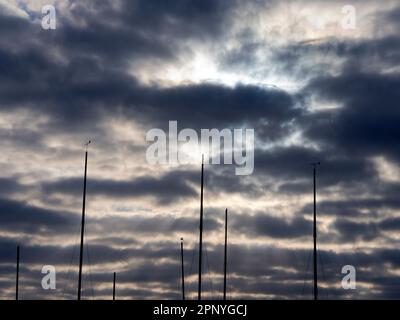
(388, 171)
(202, 68)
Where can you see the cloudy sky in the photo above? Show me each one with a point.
(311, 85)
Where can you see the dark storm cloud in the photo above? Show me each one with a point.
(46, 253)
(218, 105)
(142, 28)
(310, 58)
(355, 207)
(295, 187)
(87, 83)
(390, 224)
(171, 187)
(84, 91)
(285, 269)
(28, 139)
(274, 227)
(165, 189)
(350, 231)
(37, 221)
(58, 255)
(341, 230)
(72, 94)
(294, 163)
(393, 15)
(19, 216)
(221, 180)
(165, 224)
(382, 51)
(358, 219)
(12, 28)
(32, 220)
(129, 29)
(367, 125)
(9, 186)
(113, 88)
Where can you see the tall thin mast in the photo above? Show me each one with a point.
(114, 286)
(226, 250)
(17, 276)
(82, 225)
(183, 272)
(201, 226)
(315, 164)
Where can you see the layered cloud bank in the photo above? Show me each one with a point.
(312, 89)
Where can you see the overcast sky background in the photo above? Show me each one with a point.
(112, 70)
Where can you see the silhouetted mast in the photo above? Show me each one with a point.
(182, 272)
(82, 224)
(114, 286)
(226, 250)
(315, 164)
(201, 226)
(17, 276)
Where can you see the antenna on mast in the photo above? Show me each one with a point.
(87, 144)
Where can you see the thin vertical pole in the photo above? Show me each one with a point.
(183, 272)
(315, 233)
(201, 227)
(82, 229)
(114, 286)
(226, 250)
(17, 276)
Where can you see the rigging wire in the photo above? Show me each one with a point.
(212, 292)
(194, 254)
(306, 273)
(178, 282)
(229, 277)
(324, 278)
(90, 270)
(68, 275)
